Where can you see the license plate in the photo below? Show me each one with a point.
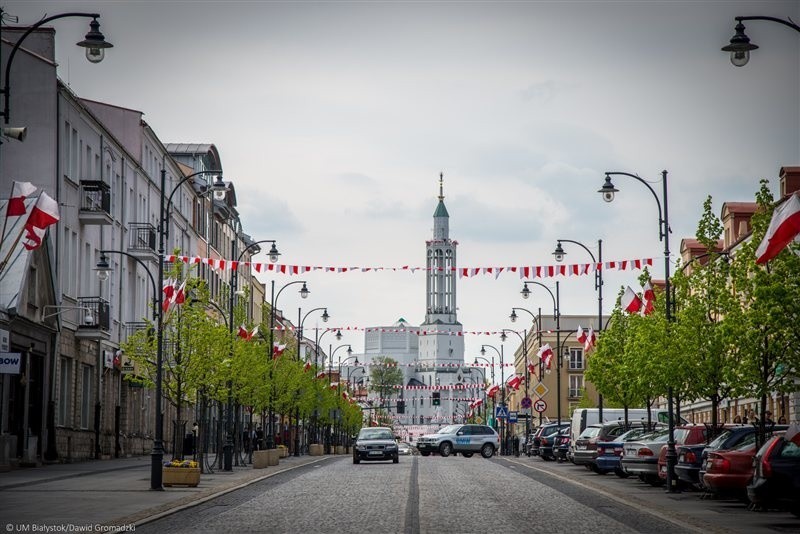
(580, 447)
(375, 453)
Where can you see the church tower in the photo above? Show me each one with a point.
(441, 346)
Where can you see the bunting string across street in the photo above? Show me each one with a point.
(525, 271)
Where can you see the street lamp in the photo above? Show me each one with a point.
(537, 321)
(664, 230)
(94, 42)
(272, 302)
(504, 445)
(559, 254)
(300, 322)
(557, 316)
(524, 340)
(740, 45)
(227, 449)
(491, 367)
(219, 188)
(349, 351)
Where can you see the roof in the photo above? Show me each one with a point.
(441, 211)
(739, 207)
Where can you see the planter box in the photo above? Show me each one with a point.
(315, 449)
(272, 456)
(283, 451)
(260, 459)
(181, 476)
(339, 449)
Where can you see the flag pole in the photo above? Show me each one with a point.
(11, 250)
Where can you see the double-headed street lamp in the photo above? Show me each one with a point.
(300, 320)
(503, 444)
(537, 322)
(740, 45)
(524, 340)
(94, 42)
(608, 190)
(272, 302)
(491, 367)
(227, 449)
(557, 316)
(559, 254)
(339, 384)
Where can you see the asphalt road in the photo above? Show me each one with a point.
(419, 495)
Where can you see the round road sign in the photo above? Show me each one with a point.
(526, 402)
(540, 405)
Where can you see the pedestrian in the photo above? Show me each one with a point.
(768, 418)
(737, 420)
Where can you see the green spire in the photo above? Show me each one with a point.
(441, 211)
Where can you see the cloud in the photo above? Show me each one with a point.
(267, 217)
(545, 92)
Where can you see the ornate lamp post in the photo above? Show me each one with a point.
(273, 300)
(524, 340)
(503, 444)
(740, 45)
(300, 322)
(608, 190)
(339, 385)
(559, 254)
(94, 43)
(491, 367)
(557, 316)
(537, 321)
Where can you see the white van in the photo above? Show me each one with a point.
(583, 417)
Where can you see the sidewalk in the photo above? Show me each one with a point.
(112, 492)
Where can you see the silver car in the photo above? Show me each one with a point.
(466, 439)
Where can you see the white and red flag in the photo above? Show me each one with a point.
(591, 338)
(514, 382)
(476, 403)
(168, 289)
(43, 214)
(492, 390)
(180, 294)
(307, 367)
(783, 228)
(631, 302)
(247, 335)
(531, 367)
(16, 202)
(320, 374)
(545, 354)
(277, 349)
(580, 335)
(648, 299)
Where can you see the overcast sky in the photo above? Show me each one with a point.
(335, 119)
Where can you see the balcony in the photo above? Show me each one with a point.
(142, 241)
(95, 202)
(131, 328)
(99, 326)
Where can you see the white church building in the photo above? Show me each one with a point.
(431, 355)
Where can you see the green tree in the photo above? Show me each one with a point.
(385, 376)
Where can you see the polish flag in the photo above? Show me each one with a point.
(242, 332)
(514, 382)
(492, 390)
(168, 289)
(334, 385)
(43, 214)
(180, 294)
(591, 338)
(580, 335)
(476, 404)
(783, 228)
(16, 202)
(277, 349)
(647, 291)
(307, 367)
(631, 302)
(545, 354)
(531, 367)
(320, 374)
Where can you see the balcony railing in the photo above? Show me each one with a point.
(100, 325)
(133, 327)
(95, 202)
(142, 241)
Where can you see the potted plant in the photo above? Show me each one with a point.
(181, 473)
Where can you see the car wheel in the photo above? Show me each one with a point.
(356, 460)
(466, 454)
(487, 451)
(445, 449)
(654, 480)
(395, 460)
(620, 473)
(425, 453)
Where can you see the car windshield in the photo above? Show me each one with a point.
(630, 434)
(590, 432)
(747, 443)
(375, 433)
(449, 429)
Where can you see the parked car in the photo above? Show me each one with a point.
(375, 443)
(640, 457)
(585, 447)
(692, 458)
(543, 433)
(609, 453)
(685, 435)
(776, 476)
(729, 472)
(466, 439)
(561, 446)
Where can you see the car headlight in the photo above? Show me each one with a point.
(391, 447)
(361, 448)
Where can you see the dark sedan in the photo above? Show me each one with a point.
(375, 443)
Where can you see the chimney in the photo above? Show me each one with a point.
(790, 180)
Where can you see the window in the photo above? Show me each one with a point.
(86, 395)
(575, 385)
(65, 391)
(575, 358)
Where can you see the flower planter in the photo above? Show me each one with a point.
(315, 449)
(181, 476)
(283, 451)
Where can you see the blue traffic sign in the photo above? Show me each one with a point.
(501, 412)
(512, 417)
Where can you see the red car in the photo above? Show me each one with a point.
(684, 435)
(729, 472)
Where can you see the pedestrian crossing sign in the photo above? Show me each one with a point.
(501, 412)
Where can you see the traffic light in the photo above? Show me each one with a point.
(436, 400)
(401, 407)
